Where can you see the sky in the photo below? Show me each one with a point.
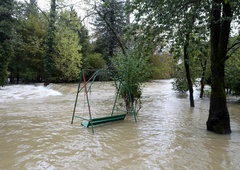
(81, 7)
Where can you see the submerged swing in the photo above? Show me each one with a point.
(115, 77)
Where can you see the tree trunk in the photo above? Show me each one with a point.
(218, 120)
(187, 68)
(203, 78)
(191, 19)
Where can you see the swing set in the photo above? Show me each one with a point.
(85, 87)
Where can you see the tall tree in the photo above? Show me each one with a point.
(221, 17)
(6, 27)
(86, 46)
(109, 23)
(67, 60)
(50, 44)
(90, 59)
(190, 17)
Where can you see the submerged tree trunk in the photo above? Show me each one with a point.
(218, 120)
(187, 68)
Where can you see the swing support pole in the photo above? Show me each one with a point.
(75, 105)
(88, 103)
(118, 91)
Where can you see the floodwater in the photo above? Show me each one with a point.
(36, 131)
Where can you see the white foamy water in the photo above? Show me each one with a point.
(18, 92)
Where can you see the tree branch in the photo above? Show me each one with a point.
(234, 44)
(112, 29)
(230, 48)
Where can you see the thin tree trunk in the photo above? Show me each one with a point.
(218, 120)
(187, 68)
(191, 19)
(203, 78)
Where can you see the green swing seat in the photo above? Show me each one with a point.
(102, 120)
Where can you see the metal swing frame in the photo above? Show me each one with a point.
(118, 80)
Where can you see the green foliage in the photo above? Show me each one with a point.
(86, 47)
(43, 46)
(134, 65)
(198, 51)
(5, 53)
(180, 81)
(6, 25)
(39, 53)
(50, 40)
(198, 62)
(109, 23)
(162, 66)
(157, 28)
(32, 48)
(232, 69)
(29, 44)
(67, 59)
(96, 61)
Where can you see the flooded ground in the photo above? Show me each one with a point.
(36, 131)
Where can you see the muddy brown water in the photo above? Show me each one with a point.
(36, 133)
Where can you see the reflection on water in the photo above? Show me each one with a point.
(35, 132)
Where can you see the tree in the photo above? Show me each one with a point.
(172, 28)
(203, 59)
(6, 27)
(50, 43)
(190, 18)
(109, 23)
(29, 43)
(67, 58)
(134, 66)
(86, 46)
(198, 65)
(222, 15)
(90, 59)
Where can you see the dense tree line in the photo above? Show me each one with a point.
(26, 32)
(38, 45)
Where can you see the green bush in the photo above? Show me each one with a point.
(162, 66)
(96, 61)
(134, 65)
